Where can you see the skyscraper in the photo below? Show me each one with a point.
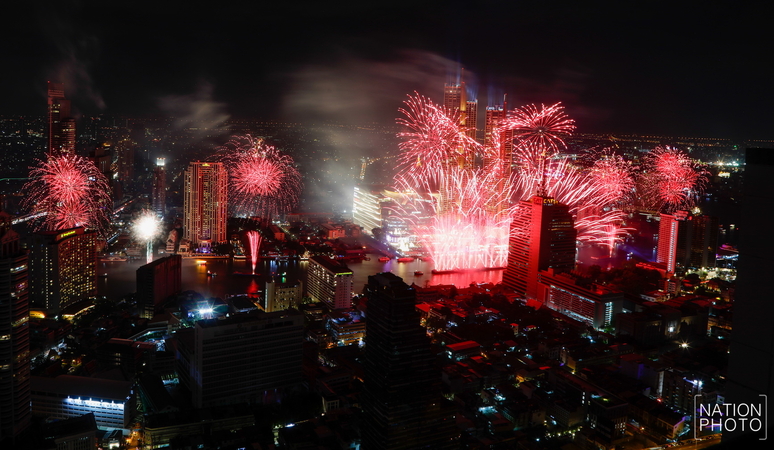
(402, 400)
(63, 267)
(14, 335)
(156, 282)
(751, 359)
(542, 237)
(159, 195)
(61, 126)
(205, 204)
(686, 240)
(330, 282)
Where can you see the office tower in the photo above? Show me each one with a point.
(159, 196)
(125, 161)
(205, 204)
(455, 101)
(751, 359)
(242, 358)
(156, 282)
(494, 117)
(542, 237)
(686, 240)
(61, 126)
(281, 296)
(63, 268)
(402, 401)
(330, 282)
(14, 335)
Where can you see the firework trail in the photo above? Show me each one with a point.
(263, 181)
(539, 131)
(671, 180)
(254, 239)
(146, 228)
(68, 191)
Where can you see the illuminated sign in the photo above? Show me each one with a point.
(544, 200)
(95, 403)
(65, 234)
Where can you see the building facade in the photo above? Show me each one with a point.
(14, 335)
(330, 282)
(159, 194)
(61, 126)
(156, 282)
(205, 206)
(402, 400)
(281, 296)
(63, 268)
(242, 358)
(542, 237)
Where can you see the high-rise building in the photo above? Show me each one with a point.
(494, 117)
(205, 207)
(63, 268)
(402, 400)
(751, 359)
(159, 195)
(455, 101)
(61, 126)
(542, 237)
(156, 282)
(14, 335)
(242, 358)
(686, 240)
(329, 282)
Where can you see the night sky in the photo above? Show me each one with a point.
(692, 69)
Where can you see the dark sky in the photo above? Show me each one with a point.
(670, 68)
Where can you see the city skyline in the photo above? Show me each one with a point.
(618, 70)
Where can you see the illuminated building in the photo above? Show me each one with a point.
(329, 282)
(542, 237)
(686, 240)
(402, 401)
(159, 195)
(66, 396)
(240, 358)
(205, 205)
(595, 305)
(14, 335)
(367, 208)
(61, 126)
(63, 268)
(156, 282)
(494, 116)
(346, 327)
(281, 296)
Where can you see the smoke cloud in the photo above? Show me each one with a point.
(196, 110)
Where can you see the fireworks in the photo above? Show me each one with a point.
(264, 182)
(68, 191)
(542, 130)
(671, 180)
(254, 239)
(146, 228)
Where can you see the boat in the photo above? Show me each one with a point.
(212, 274)
(103, 275)
(418, 273)
(406, 259)
(384, 259)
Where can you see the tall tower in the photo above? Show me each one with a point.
(402, 400)
(542, 237)
(14, 335)
(63, 267)
(159, 195)
(205, 204)
(330, 282)
(686, 240)
(61, 126)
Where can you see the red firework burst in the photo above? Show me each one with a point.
(264, 181)
(542, 129)
(613, 176)
(68, 191)
(671, 180)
